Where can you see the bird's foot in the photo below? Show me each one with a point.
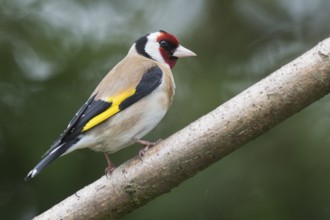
(147, 145)
(110, 168)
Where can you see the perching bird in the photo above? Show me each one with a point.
(127, 104)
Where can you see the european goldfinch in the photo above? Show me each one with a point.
(127, 104)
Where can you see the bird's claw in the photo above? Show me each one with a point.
(108, 171)
(147, 145)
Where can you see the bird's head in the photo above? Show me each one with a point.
(162, 47)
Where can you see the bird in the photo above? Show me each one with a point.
(126, 105)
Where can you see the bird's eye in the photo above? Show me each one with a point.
(164, 43)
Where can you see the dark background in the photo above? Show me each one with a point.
(54, 52)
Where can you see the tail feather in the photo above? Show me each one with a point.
(46, 161)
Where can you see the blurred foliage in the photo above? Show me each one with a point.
(53, 53)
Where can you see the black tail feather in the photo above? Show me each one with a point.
(46, 161)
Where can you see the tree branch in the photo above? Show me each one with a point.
(205, 141)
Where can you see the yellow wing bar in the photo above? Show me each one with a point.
(113, 109)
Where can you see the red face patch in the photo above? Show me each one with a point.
(167, 51)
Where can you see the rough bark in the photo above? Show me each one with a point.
(205, 141)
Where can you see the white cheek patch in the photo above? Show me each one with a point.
(152, 48)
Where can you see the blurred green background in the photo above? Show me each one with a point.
(54, 52)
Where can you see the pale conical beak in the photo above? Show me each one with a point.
(183, 52)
